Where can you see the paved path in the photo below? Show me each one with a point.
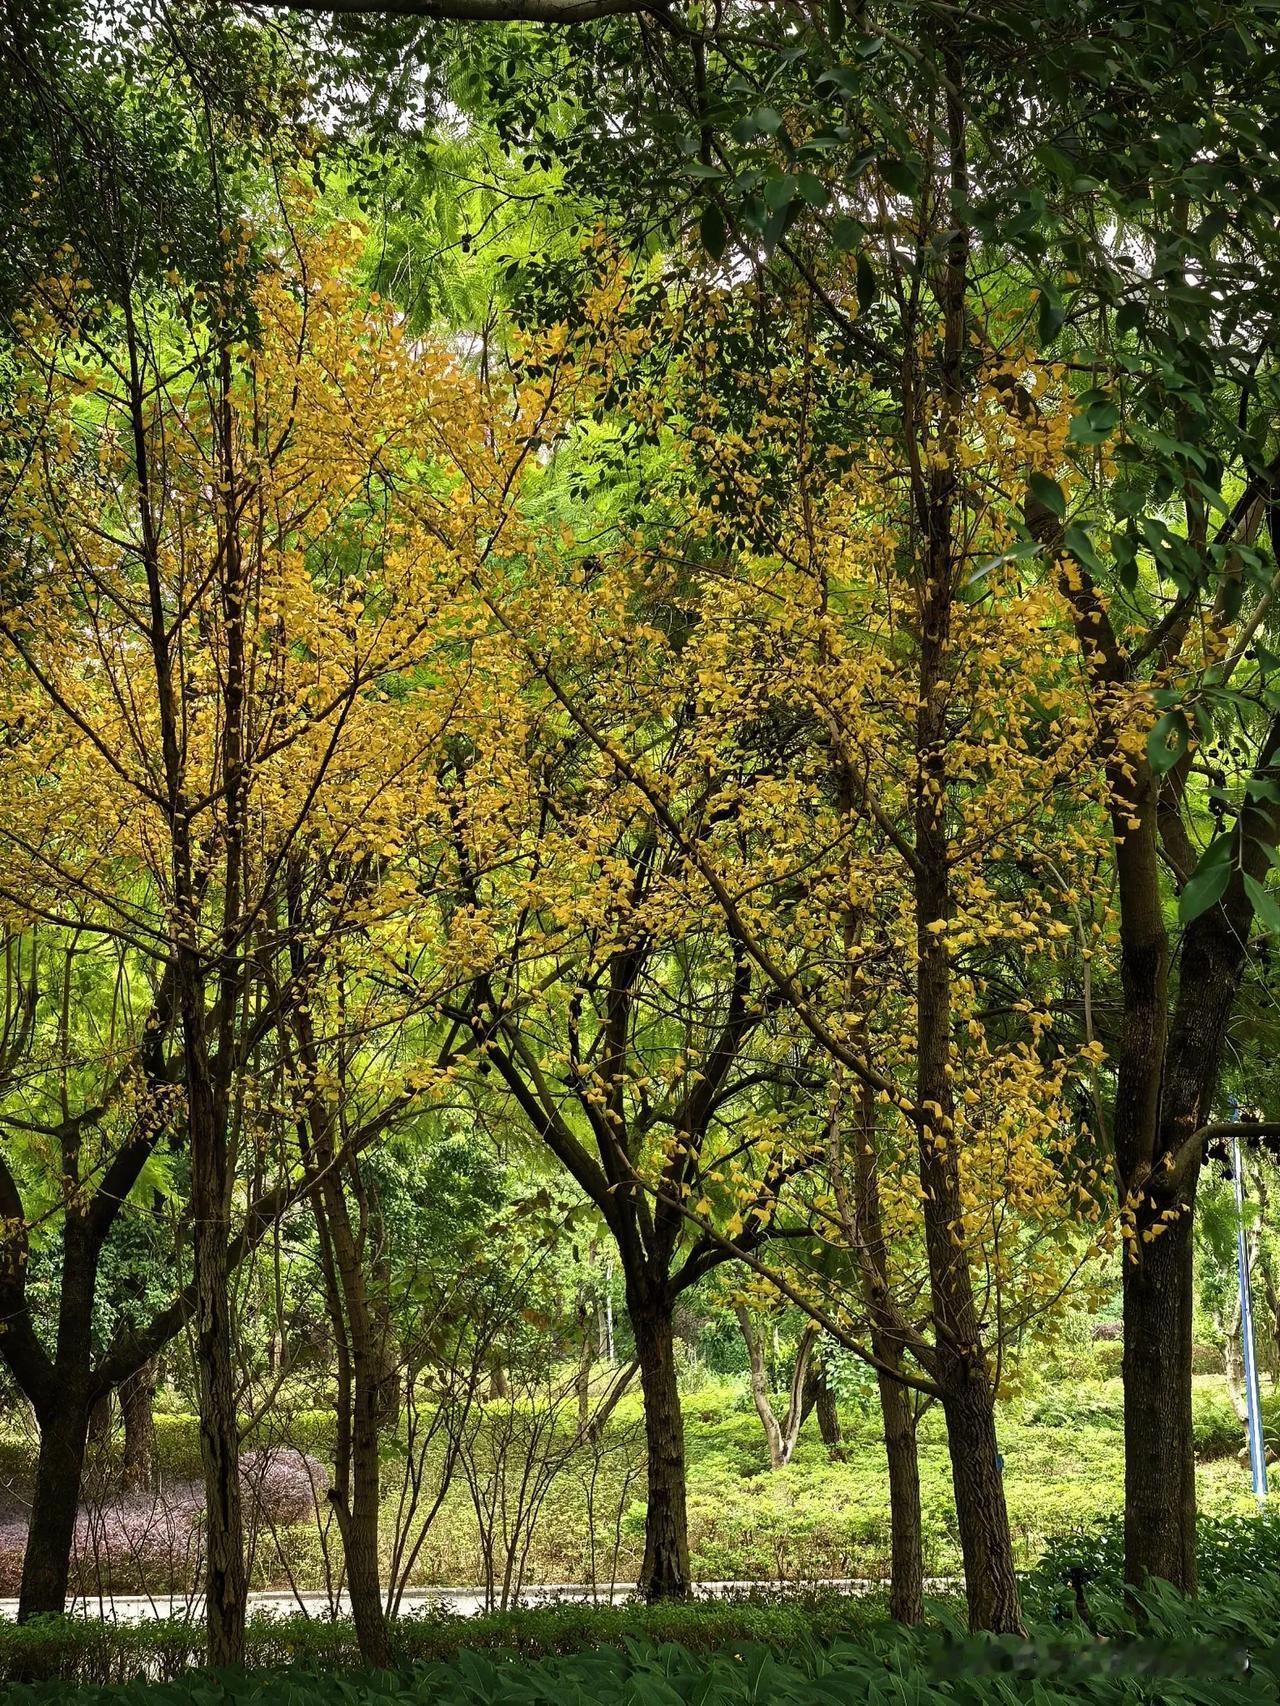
(449, 1602)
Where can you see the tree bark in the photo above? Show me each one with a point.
(226, 1581)
(824, 1402)
(760, 1387)
(1160, 1465)
(664, 1573)
(361, 1370)
(360, 1542)
(100, 1425)
(906, 1542)
(137, 1406)
(46, 1569)
(977, 1476)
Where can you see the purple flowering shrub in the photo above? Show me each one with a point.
(152, 1542)
(282, 1486)
(136, 1544)
(13, 1543)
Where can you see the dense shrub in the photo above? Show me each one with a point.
(282, 1486)
(1108, 1355)
(1215, 1426)
(177, 1440)
(1231, 1551)
(1068, 1409)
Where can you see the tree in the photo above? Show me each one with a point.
(800, 625)
(630, 1039)
(780, 1435)
(216, 584)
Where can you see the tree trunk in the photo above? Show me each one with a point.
(977, 1475)
(360, 1539)
(1159, 1445)
(46, 1569)
(137, 1406)
(355, 1494)
(906, 1543)
(226, 1580)
(760, 1388)
(665, 1571)
(824, 1402)
(968, 1397)
(100, 1426)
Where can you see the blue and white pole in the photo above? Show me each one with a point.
(1252, 1399)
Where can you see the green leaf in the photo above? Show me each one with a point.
(898, 174)
(780, 192)
(1266, 906)
(1078, 542)
(776, 225)
(812, 189)
(1051, 316)
(712, 229)
(1208, 882)
(844, 78)
(1049, 493)
(1167, 742)
(846, 232)
(865, 281)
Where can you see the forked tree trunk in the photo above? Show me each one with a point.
(781, 1436)
(760, 1387)
(664, 1573)
(46, 1569)
(1233, 1364)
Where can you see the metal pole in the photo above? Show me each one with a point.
(1252, 1398)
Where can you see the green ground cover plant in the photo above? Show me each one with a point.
(1163, 1650)
(1073, 1595)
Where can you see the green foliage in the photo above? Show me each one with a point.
(1231, 1553)
(1216, 1427)
(1211, 1651)
(85, 1651)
